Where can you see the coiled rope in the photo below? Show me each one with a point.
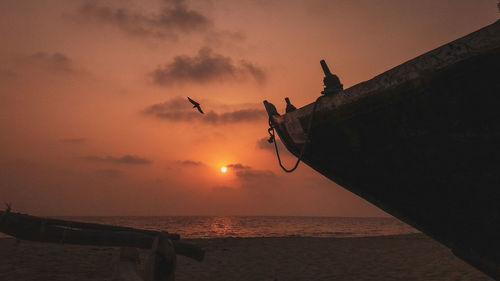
(272, 139)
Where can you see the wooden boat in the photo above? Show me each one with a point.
(160, 265)
(420, 141)
(31, 228)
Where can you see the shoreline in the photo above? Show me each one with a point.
(391, 257)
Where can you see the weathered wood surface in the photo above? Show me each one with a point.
(32, 228)
(127, 269)
(419, 141)
(162, 261)
(160, 265)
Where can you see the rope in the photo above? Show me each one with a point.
(272, 138)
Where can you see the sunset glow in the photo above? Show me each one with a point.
(94, 112)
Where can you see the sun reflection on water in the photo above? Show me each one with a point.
(222, 226)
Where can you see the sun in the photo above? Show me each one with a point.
(223, 169)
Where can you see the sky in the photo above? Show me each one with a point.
(94, 118)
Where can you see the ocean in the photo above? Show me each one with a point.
(268, 226)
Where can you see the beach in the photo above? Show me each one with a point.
(398, 257)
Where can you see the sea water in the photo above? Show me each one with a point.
(252, 226)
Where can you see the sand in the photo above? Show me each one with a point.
(402, 257)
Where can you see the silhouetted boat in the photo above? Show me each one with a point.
(31, 228)
(420, 141)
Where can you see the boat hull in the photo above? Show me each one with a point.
(426, 150)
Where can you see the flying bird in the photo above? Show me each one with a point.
(195, 104)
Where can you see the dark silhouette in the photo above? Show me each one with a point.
(289, 107)
(437, 172)
(195, 104)
(331, 81)
(21, 226)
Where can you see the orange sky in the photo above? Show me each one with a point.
(93, 116)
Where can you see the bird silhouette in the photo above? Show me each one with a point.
(195, 104)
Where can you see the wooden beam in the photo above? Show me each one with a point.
(37, 229)
(86, 225)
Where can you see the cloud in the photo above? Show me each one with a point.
(179, 109)
(178, 103)
(251, 176)
(191, 163)
(126, 159)
(205, 67)
(181, 18)
(39, 64)
(74, 140)
(174, 17)
(57, 62)
(238, 166)
(264, 144)
(241, 115)
(258, 73)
